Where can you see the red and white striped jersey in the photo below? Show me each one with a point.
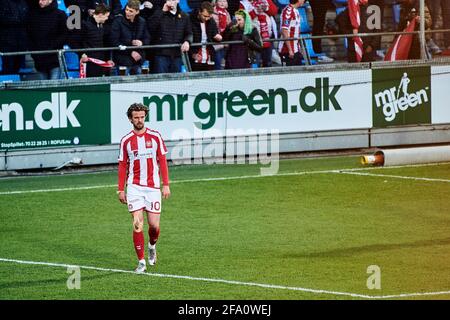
(141, 154)
(290, 20)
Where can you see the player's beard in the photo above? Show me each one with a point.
(138, 126)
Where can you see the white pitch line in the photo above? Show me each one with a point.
(227, 178)
(175, 181)
(400, 166)
(393, 176)
(58, 190)
(232, 282)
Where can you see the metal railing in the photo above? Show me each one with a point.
(185, 58)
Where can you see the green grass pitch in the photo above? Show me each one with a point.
(251, 237)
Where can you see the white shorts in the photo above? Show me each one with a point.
(143, 198)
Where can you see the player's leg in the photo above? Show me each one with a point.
(153, 232)
(136, 206)
(138, 238)
(153, 227)
(153, 208)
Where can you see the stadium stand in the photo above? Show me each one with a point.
(185, 6)
(8, 78)
(62, 6)
(331, 47)
(72, 60)
(306, 30)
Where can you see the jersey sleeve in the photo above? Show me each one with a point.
(161, 154)
(123, 154)
(123, 166)
(164, 169)
(162, 149)
(286, 17)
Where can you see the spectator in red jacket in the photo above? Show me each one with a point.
(290, 28)
(222, 18)
(265, 27)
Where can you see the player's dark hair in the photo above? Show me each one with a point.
(137, 107)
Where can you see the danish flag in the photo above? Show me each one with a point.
(399, 50)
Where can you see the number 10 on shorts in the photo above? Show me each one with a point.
(155, 206)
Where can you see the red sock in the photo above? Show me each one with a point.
(153, 234)
(138, 240)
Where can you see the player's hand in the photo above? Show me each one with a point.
(122, 197)
(165, 192)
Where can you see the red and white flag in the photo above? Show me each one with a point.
(355, 19)
(399, 50)
(96, 61)
(359, 48)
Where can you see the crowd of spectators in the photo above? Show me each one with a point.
(256, 25)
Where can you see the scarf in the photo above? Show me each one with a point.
(96, 61)
(222, 14)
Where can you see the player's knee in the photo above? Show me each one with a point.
(138, 226)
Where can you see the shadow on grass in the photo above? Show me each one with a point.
(352, 251)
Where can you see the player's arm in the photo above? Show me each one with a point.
(164, 175)
(121, 182)
(163, 168)
(122, 173)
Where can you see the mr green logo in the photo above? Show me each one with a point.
(209, 106)
(401, 97)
